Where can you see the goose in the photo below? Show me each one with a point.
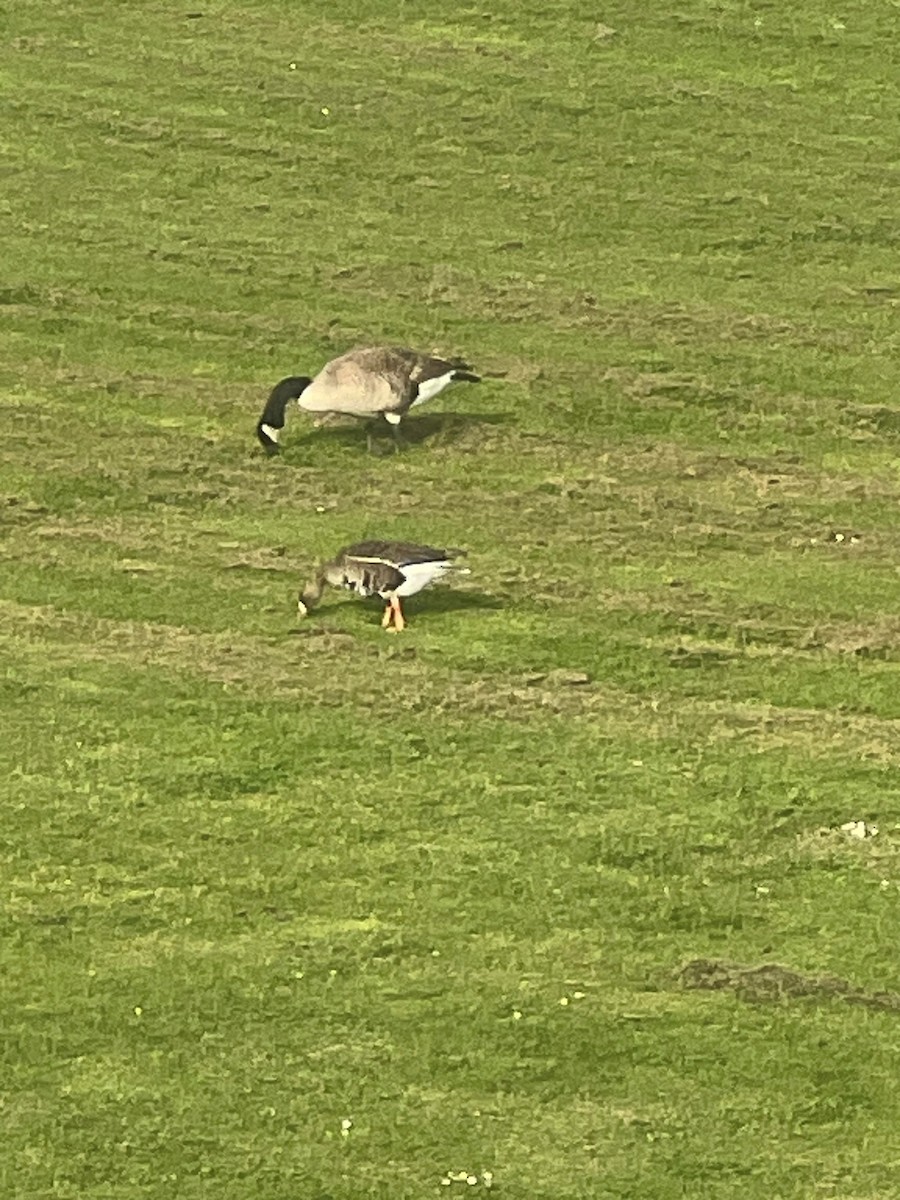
(390, 570)
(370, 382)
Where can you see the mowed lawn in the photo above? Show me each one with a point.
(549, 896)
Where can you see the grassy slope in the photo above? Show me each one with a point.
(258, 880)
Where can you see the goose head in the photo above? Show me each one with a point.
(311, 594)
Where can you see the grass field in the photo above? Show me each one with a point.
(305, 912)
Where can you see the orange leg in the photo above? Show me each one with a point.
(394, 613)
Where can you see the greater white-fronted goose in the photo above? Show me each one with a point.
(390, 570)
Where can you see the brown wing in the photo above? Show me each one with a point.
(410, 369)
(360, 383)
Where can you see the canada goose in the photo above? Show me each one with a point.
(375, 381)
(386, 569)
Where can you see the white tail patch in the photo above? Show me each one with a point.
(393, 418)
(419, 575)
(429, 388)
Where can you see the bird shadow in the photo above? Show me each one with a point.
(441, 600)
(445, 600)
(379, 437)
(448, 426)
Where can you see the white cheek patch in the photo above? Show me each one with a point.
(271, 434)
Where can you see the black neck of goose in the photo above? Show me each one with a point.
(272, 419)
(280, 397)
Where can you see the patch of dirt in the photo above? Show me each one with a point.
(771, 982)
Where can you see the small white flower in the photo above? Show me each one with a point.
(292, 66)
(564, 1000)
(516, 1016)
(838, 537)
(326, 112)
(346, 1126)
(488, 1179)
(578, 995)
(859, 829)
(761, 890)
(138, 1011)
(471, 1180)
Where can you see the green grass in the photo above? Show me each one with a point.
(260, 879)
